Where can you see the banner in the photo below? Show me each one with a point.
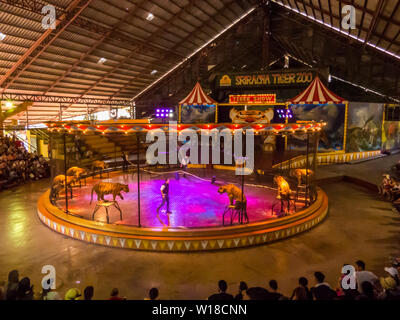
(253, 99)
(267, 79)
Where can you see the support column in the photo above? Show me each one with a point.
(138, 175)
(65, 172)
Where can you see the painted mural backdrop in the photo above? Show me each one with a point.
(364, 131)
(198, 114)
(391, 135)
(331, 138)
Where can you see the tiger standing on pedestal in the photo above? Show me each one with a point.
(302, 174)
(103, 188)
(77, 172)
(284, 190)
(235, 194)
(60, 179)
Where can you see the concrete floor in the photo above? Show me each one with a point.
(359, 226)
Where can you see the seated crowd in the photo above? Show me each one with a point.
(17, 165)
(367, 286)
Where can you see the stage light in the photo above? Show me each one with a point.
(9, 104)
(150, 17)
(101, 60)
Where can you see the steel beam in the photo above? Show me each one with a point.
(73, 10)
(63, 99)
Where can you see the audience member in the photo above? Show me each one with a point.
(17, 165)
(242, 289)
(367, 290)
(390, 285)
(73, 294)
(258, 293)
(115, 295)
(348, 293)
(222, 295)
(322, 290)
(302, 292)
(153, 294)
(25, 290)
(88, 293)
(12, 285)
(49, 294)
(273, 284)
(363, 275)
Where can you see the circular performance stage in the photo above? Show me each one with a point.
(195, 223)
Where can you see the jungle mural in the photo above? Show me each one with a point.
(331, 138)
(198, 114)
(364, 131)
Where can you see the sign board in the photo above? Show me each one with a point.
(294, 78)
(253, 99)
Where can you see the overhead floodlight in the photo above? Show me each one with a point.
(2, 36)
(9, 104)
(153, 72)
(102, 60)
(150, 17)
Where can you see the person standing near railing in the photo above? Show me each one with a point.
(125, 163)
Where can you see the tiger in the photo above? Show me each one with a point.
(76, 172)
(55, 192)
(60, 179)
(99, 165)
(284, 191)
(301, 174)
(103, 188)
(234, 193)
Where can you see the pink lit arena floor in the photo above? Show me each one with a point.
(194, 203)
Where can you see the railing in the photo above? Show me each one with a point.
(327, 158)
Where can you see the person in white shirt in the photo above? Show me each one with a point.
(363, 275)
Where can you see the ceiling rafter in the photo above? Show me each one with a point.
(183, 40)
(387, 22)
(87, 24)
(154, 34)
(374, 21)
(363, 29)
(73, 10)
(92, 48)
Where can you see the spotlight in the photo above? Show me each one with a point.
(150, 17)
(102, 60)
